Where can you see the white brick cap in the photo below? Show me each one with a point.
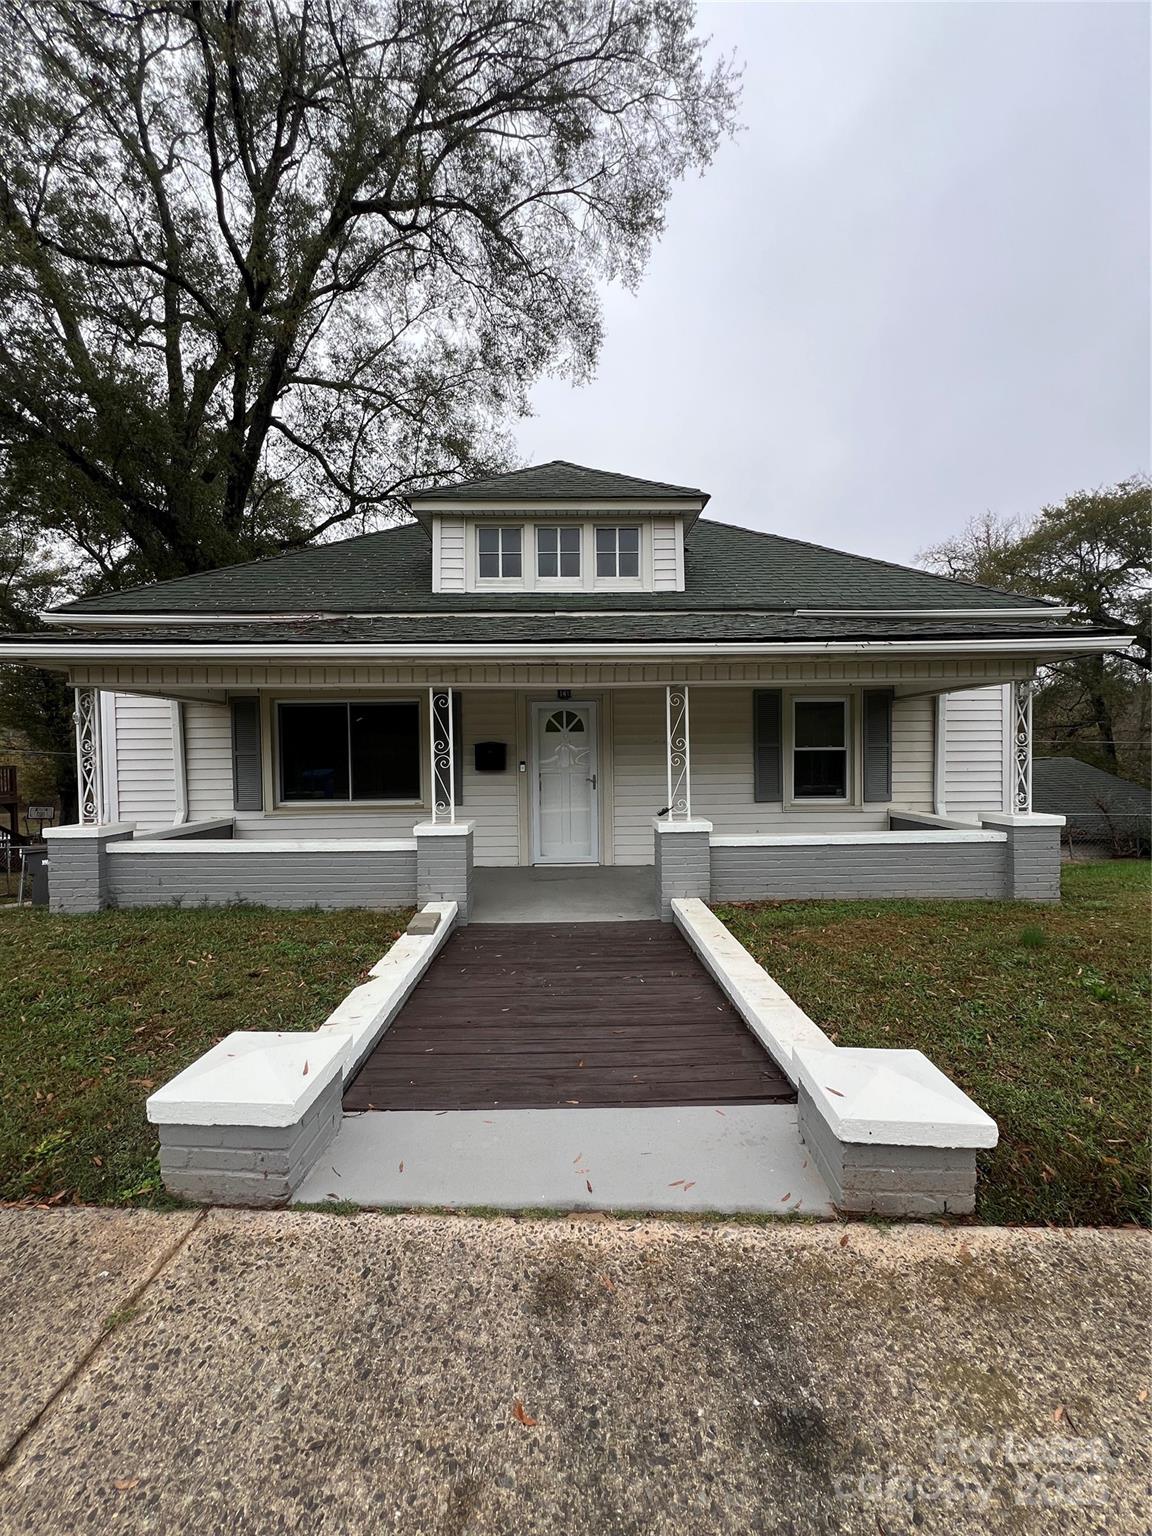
(442, 828)
(1020, 819)
(662, 824)
(252, 1077)
(891, 1098)
(91, 830)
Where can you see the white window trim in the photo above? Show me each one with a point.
(324, 806)
(849, 802)
(529, 581)
(527, 538)
(579, 583)
(642, 581)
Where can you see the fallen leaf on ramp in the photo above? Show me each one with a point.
(521, 1416)
(126, 1484)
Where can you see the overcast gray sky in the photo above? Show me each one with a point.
(915, 288)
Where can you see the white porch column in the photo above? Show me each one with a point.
(1021, 748)
(443, 755)
(679, 743)
(89, 758)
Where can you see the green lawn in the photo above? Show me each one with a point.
(1041, 1014)
(97, 1011)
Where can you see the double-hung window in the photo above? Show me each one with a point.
(820, 749)
(498, 553)
(349, 751)
(558, 553)
(618, 552)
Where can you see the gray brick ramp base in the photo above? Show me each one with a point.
(248, 1164)
(888, 1181)
(328, 878)
(963, 871)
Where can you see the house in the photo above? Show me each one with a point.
(1105, 816)
(559, 666)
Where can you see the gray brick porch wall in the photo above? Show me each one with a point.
(78, 865)
(788, 871)
(888, 1181)
(248, 1164)
(333, 877)
(444, 856)
(683, 865)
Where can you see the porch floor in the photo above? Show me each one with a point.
(518, 1016)
(569, 893)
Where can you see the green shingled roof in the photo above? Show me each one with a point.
(390, 572)
(561, 481)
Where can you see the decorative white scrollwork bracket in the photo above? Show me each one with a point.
(89, 766)
(1022, 748)
(679, 754)
(443, 754)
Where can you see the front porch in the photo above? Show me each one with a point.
(589, 803)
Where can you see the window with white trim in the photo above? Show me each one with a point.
(499, 553)
(820, 737)
(558, 553)
(618, 553)
(349, 751)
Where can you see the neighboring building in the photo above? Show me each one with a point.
(1105, 817)
(555, 666)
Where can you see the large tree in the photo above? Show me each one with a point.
(1093, 553)
(267, 264)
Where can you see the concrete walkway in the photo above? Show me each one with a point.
(738, 1158)
(275, 1373)
(572, 893)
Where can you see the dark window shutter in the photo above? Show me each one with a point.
(247, 774)
(457, 747)
(878, 744)
(766, 751)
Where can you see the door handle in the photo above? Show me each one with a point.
(592, 780)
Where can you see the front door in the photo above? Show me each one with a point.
(566, 807)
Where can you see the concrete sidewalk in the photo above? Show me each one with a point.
(266, 1373)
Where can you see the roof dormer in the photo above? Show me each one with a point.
(558, 527)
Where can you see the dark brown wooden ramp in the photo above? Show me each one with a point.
(534, 1016)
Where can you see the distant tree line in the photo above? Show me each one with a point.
(1093, 554)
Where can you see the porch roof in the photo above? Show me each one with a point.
(557, 630)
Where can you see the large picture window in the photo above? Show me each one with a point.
(498, 553)
(350, 751)
(820, 749)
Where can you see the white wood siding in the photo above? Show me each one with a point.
(639, 772)
(913, 752)
(722, 785)
(491, 799)
(977, 724)
(668, 554)
(448, 552)
(145, 783)
(208, 754)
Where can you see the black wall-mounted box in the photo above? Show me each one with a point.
(491, 756)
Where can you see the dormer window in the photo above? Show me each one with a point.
(499, 553)
(558, 553)
(618, 553)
